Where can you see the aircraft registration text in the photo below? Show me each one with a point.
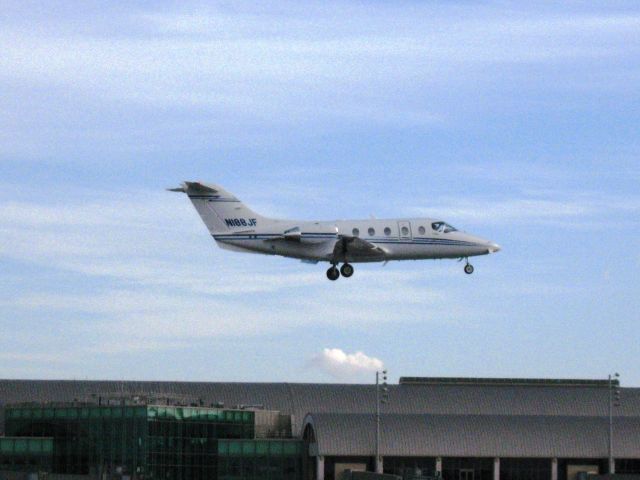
(240, 222)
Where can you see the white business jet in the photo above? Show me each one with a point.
(236, 227)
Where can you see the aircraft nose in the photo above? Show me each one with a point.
(494, 247)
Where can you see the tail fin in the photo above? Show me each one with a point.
(220, 211)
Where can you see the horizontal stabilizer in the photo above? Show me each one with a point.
(194, 188)
(200, 187)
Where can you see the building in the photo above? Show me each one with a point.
(134, 437)
(459, 429)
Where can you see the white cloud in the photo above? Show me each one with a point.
(584, 209)
(340, 364)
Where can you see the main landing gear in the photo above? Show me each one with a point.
(346, 270)
(333, 273)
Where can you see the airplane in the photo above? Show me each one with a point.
(236, 227)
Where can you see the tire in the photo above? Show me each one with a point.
(346, 270)
(333, 274)
(468, 269)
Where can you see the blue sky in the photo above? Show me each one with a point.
(518, 122)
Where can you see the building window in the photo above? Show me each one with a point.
(525, 469)
(627, 465)
(410, 467)
(466, 468)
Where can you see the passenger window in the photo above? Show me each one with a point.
(356, 232)
(405, 231)
(421, 230)
(372, 231)
(387, 231)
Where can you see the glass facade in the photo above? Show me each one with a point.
(21, 453)
(259, 459)
(156, 442)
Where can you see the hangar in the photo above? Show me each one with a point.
(453, 428)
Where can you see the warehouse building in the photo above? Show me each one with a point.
(453, 428)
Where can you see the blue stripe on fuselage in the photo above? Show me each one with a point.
(404, 241)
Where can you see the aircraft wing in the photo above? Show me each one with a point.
(355, 247)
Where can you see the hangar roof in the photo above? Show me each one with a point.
(474, 435)
(438, 397)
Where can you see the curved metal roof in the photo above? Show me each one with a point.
(299, 398)
(474, 435)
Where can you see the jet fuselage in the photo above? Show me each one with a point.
(236, 227)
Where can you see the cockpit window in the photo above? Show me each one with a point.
(442, 227)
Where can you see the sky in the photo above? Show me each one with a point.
(515, 121)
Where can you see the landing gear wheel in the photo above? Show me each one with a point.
(346, 270)
(333, 273)
(468, 269)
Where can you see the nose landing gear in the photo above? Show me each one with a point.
(468, 268)
(333, 273)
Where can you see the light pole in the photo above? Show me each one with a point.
(380, 399)
(614, 401)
